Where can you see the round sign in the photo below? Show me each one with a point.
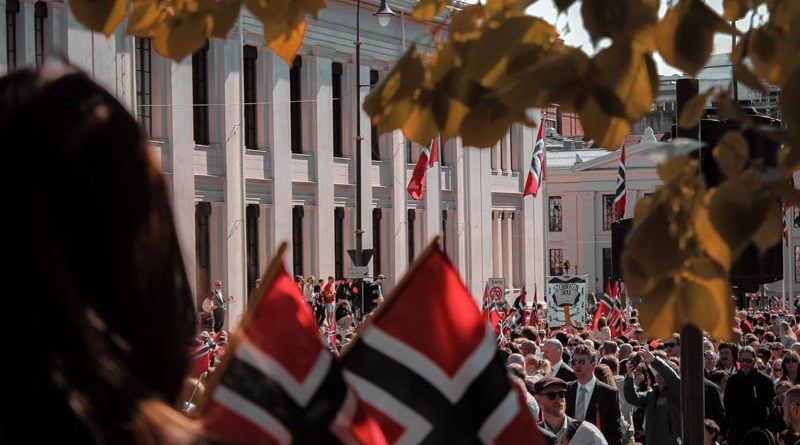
(496, 293)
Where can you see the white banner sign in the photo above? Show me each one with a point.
(566, 301)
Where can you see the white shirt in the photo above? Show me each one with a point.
(589, 390)
(588, 434)
(554, 369)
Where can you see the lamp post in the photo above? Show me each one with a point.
(359, 256)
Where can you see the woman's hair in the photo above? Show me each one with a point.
(791, 355)
(603, 373)
(108, 322)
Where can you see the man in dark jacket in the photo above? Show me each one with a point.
(661, 404)
(714, 409)
(592, 400)
(748, 398)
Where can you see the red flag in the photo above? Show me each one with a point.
(536, 170)
(621, 195)
(523, 302)
(535, 308)
(604, 306)
(427, 158)
(200, 359)
(424, 368)
(280, 384)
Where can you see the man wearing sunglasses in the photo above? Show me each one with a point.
(592, 400)
(748, 398)
(550, 395)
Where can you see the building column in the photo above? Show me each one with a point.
(279, 141)
(233, 158)
(26, 46)
(460, 234)
(586, 232)
(322, 236)
(508, 246)
(264, 250)
(497, 239)
(398, 237)
(216, 248)
(433, 203)
(506, 147)
(177, 160)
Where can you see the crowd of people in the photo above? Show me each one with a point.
(628, 388)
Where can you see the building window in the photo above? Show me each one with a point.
(336, 89)
(297, 239)
(412, 215)
(556, 262)
(202, 212)
(12, 9)
(375, 141)
(253, 212)
(200, 95)
(554, 203)
(444, 230)
(796, 211)
(39, 16)
(377, 215)
(607, 264)
(797, 264)
(296, 108)
(608, 211)
(144, 85)
(250, 54)
(409, 146)
(338, 241)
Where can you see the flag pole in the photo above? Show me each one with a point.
(545, 210)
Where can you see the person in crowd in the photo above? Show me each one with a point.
(329, 299)
(603, 373)
(748, 397)
(776, 422)
(549, 393)
(661, 403)
(710, 432)
(789, 367)
(791, 408)
(672, 346)
(591, 400)
(788, 437)
(553, 350)
(728, 358)
(220, 306)
(110, 318)
(776, 370)
(714, 407)
(709, 362)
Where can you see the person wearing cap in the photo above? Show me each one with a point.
(550, 393)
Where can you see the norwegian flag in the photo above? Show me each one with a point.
(535, 308)
(435, 375)
(427, 158)
(200, 359)
(280, 384)
(490, 311)
(617, 322)
(621, 195)
(605, 305)
(536, 171)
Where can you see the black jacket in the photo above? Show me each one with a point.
(603, 410)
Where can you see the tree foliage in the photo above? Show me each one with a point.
(496, 64)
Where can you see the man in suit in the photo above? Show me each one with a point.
(219, 306)
(552, 350)
(591, 400)
(550, 393)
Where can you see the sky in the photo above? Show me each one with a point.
(571, 28)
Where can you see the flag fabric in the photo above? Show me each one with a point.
(536, 170)
(521, 305)
(200, 359)
(535, 308)
(621, 195)
(279, 383)
(427, 158)
(617, 323)
(604, 306)
(435, 375)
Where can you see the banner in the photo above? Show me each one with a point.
(566, 301)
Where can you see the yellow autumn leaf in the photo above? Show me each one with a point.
(606, 130)
(390, 104)
(704, 299)
(694, 109)
(640, 268)
(630, 74)
(143, 17)
(735, 9)
(630, 20)
(657, 312)
(745, 76)
(733, 210)
(99, 15)
(686, 35)
(283, 40)
(420, 125)
(709, 239)
(731, 153)
(224, 14)
(181, 35)
(790, 112)
(766, 50)
(427, 9)
(486, 122)
(769, 232)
